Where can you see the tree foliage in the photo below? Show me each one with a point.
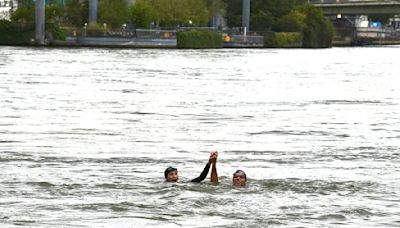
(317, 31)
(284, 16)
(73, 14)
(264, 13)
(76, 13)
(170, 13)
(291, 22)
(24, 14)
(216, 7)
(199, 39)
(234, 13)
(142, 14)
(113, 12)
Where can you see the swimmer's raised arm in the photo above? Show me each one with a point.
(214, 174)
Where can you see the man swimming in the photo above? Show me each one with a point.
(171, 173)
(239, 178)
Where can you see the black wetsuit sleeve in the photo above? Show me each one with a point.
(203, 174)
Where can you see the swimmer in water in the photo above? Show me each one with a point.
(171, 173)
(239, 178)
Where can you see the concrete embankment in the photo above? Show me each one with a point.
(172, 43)
(87, 41)
(364, 42)
(117, 42)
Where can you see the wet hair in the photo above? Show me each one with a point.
(168, 170)
(239, 171)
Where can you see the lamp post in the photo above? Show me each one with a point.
(124, 30)
(84, 29)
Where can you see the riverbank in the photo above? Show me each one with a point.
(363, 42)
(140, 42)
(172, 43)
(116, 42)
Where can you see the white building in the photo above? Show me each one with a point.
(6, 6)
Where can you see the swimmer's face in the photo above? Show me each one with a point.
(239, 179)
(172, 176)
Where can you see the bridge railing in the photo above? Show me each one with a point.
(122, 33)
(158, 33)
(344, 1)
(247, 39)
(377, 33)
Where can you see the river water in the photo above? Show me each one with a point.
(85, 136)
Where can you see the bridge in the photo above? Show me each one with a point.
(353, 7)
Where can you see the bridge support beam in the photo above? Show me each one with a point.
(246, 14)
(93, 5)
(39, 22)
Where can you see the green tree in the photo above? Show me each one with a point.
(113, 12)
(54, 13)
(318, 31)
(216, 7)
(261, 21)
(25, 3)
(234, 13)
(76, 13)
(196, 11)
(142, 14)
(264, 13)
(171, 12)
(24, 14)
(292, 22)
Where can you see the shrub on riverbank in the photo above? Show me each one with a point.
(16, 33)
(318, 31)
(12, 33)
(54, 32)
(199, 39)
(283, 40)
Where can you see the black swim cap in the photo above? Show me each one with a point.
(239, 171)
(168, 170)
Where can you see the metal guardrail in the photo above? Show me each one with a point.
(232, 38)
(377, 33)
(247, 39)
(122, 33)
(347, 1)
(163, 33)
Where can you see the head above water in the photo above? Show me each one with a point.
(239, 178)
(171, 174)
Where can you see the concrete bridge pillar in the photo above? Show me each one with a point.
(39, 22)
(246, 14)
(93, 5)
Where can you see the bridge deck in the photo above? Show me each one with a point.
(358, 7)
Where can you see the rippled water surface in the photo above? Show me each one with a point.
(85, 135)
